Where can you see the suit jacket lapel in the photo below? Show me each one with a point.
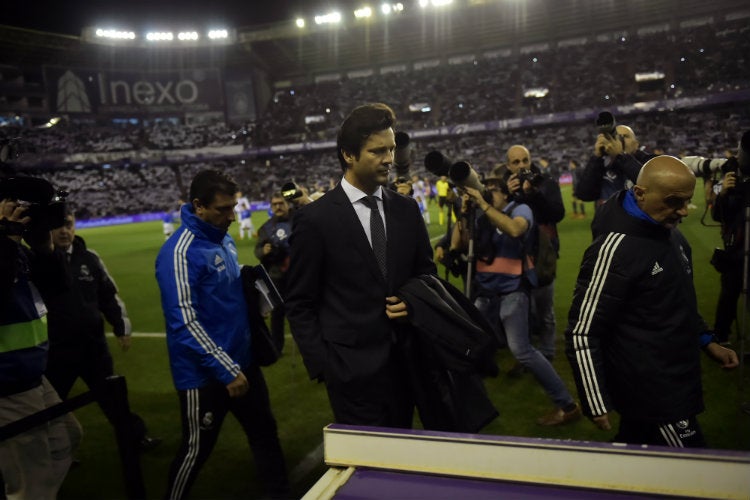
(350, 225)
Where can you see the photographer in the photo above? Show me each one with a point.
(33, 464)
(614, 165)
(542, 194)
(272, 249)
(727, 209)
(503, 283)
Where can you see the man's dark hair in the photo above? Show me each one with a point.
(362, 122)
(208, 183)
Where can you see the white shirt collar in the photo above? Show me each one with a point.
(355, 194)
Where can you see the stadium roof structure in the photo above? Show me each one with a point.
(284, 51)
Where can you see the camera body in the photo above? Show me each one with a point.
(529, 175)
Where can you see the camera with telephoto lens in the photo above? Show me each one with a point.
(460, 173)
(607, 126)
(402, 162)
(44, 206)
(740, 164)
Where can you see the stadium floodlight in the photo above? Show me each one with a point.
(434, 3)
(115, 34)
(218, 34)
(330, 18)
(363, 12)
(385, 8)
(187, 36)
(159, 36)
(300, 22)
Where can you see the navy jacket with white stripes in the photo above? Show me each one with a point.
(634, 328)
(208, 335)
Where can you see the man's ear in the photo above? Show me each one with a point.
(198, 207)
(348, 157)
(639, 192)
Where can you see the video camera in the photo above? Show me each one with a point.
(45, 206)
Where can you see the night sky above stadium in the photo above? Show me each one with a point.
(70, 16)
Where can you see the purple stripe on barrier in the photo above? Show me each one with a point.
(367, 484)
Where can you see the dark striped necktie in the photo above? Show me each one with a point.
(377, 232)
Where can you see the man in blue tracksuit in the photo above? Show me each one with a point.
(208, 337)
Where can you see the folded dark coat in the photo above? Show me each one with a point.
(450, 348)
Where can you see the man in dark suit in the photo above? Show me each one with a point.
(350, 251)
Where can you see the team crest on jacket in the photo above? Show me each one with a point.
(281, 234)
(84, 274)
(219, 263)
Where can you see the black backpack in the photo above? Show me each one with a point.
(542, 251)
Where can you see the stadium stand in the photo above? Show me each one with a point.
(469, 101)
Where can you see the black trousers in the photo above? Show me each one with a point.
(203, 411)
(726, 307)
(683, 433)
(92, 362)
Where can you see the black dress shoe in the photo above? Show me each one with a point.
(148, 443)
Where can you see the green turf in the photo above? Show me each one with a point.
(301, 406)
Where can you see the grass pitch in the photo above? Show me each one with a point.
(301, 407)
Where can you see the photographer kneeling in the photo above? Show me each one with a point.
(502, 225)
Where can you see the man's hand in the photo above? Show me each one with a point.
(475, 195)
(403, 188)
(395, 308)
(727, 358)
(729, 182)
(439, 254)
(13, 212)
(602, 422)
(238, 386)
(124, 341)
(605, 146)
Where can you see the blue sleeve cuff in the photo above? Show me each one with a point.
(708, 337)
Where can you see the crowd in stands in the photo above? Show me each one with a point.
(579, 76)
(118, 190)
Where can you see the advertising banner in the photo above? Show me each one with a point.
(115, 92)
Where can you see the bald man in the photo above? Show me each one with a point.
(613, 166)
(542, 195)
(634, 330)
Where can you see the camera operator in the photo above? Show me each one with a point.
(502, 290)
(542, 194)
(33, 464)
(728, 210)
(614, 165)
(272, 249)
